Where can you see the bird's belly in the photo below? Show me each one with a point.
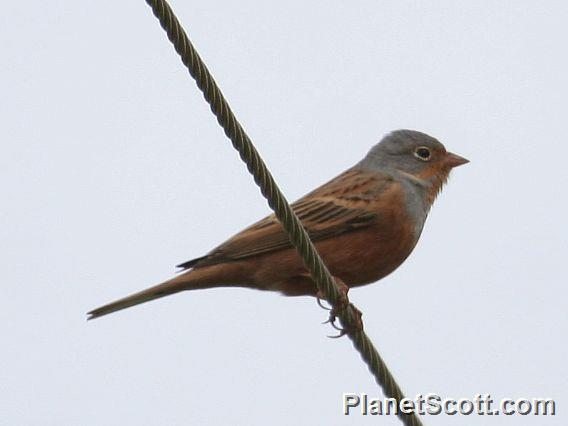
(367, 256)
(357, 258)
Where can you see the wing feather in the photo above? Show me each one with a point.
(342, 205)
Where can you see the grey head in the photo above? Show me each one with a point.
(419, 162)
(410, 152)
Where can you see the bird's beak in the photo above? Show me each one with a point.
(454, 160)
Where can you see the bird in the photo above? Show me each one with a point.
(364, 223)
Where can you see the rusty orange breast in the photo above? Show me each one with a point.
(370, 254)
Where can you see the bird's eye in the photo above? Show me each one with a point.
(422, 153)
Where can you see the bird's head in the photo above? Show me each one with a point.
(415, 155)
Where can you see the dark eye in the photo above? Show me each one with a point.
(422, 153)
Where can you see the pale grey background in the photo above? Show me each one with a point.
(113, 170)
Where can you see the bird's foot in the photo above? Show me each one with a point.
(342, 305)
(319, 298)
(357, 324)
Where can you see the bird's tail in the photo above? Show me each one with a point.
(191, 280)
(198, 278)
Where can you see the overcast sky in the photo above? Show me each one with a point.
(113, 170)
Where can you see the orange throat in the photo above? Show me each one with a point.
(435, 178)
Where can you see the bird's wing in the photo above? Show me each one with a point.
(342, 205)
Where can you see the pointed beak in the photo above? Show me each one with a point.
(454, 160)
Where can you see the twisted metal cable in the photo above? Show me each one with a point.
(263, 178)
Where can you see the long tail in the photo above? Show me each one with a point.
(186, 281)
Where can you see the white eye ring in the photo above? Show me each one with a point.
(423, 153)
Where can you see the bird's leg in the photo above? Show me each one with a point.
(321, 305)
(319, 297)
(341, 305)
(356, 326)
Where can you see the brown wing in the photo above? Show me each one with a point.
(341, 205)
